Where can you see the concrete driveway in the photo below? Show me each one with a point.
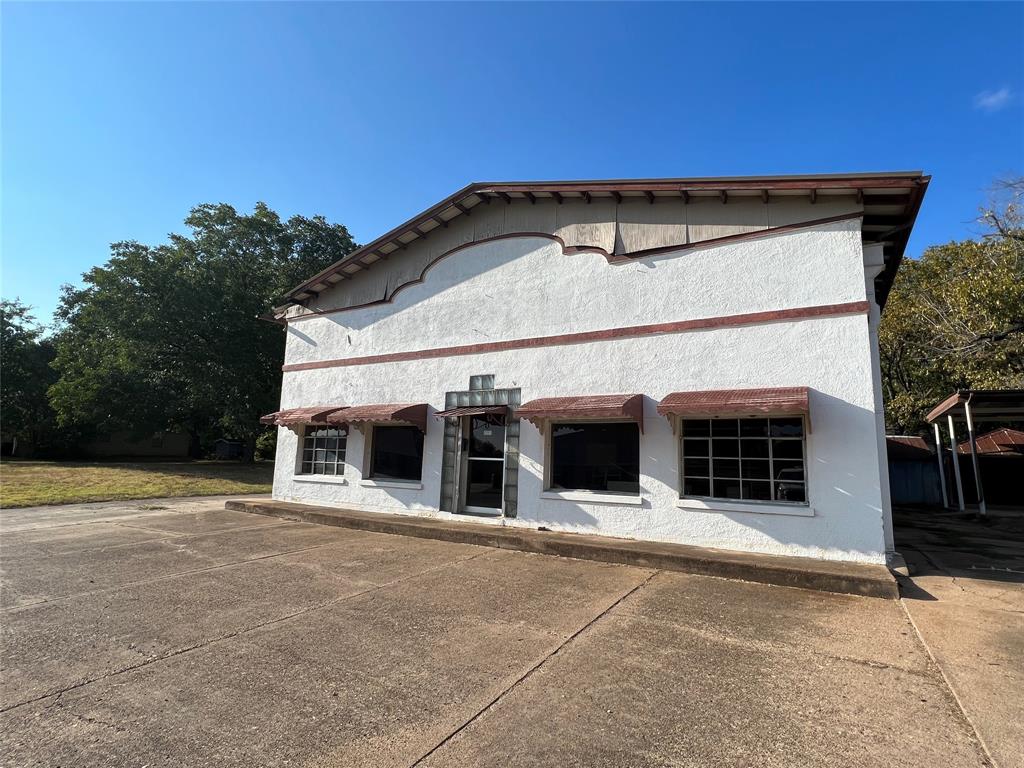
(176, 633)
(966, 597)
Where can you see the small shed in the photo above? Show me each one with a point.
(224, 448)
(913, 473)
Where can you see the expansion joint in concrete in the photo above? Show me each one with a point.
(237, 633)
(950, 690)
(534, 668)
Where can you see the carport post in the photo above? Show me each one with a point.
(956, 463)
(974, 459)
(942, 471)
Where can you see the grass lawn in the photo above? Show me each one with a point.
(28, 483)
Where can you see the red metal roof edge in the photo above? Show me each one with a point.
(308, 414)
(914, 180)
(737, 400)
(1015, 437)
(615, 405)
(410, 413)
(471, 410)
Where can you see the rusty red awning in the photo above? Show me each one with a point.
(585, 407)
(780, 401)
(290, 417)
(473, 410)
(404, 413)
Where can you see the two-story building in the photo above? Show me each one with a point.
(680, 360)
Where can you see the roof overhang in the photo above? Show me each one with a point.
(291, 417)
(473, 410)
(713, 403)
(585, 407)
(412, 414)
(985, 405)
(891, 202)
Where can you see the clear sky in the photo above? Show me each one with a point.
(118, 118)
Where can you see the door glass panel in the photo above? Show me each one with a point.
(483, 485)
(487, 437)
(485, 465)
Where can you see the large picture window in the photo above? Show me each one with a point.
(745, 459)
(601, 457)
(397, 453)
(323, 451)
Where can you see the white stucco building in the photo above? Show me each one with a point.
(680, 360)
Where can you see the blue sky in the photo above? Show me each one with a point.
(118, 118)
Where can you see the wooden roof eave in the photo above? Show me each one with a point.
(464, 200)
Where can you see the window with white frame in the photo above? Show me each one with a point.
(603, 457)
(744, 459)
(323, 451)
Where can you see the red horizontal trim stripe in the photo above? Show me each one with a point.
(631, 331)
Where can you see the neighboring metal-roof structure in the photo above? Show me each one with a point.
(1005, 441)
(985, 404)
(907, 447)
(890, 203)
(974, 405)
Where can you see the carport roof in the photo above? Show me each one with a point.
(985, 404)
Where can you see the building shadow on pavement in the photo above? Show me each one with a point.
(938, 542)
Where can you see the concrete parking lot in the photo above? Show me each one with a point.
(178, 633)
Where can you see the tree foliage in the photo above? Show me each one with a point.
(955, 317)
(25, 356)
(167, 336)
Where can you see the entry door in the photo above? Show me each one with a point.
(484, 468)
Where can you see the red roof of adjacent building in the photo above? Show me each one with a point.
(907, 447)
(1005, 441)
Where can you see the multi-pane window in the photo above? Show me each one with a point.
(323, 451)
(748, 459)
(397, 453)
(594, 456)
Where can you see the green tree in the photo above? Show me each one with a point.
(955, 317)
(166, 337)
(25, 357)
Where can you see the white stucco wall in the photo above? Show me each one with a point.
(526, 287)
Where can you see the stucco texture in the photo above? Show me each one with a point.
(527, 287)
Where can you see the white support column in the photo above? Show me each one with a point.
(956, 463)
(974, 460)
(942, 470)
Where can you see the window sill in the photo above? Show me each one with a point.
(323, 479)
(762, 508)
(594, 498)
(409, 486)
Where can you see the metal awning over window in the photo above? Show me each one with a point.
(780, 401)
(474, 410)
(585, 407)
(291, 417)
(402, 413)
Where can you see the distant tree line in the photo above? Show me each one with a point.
(165, 337)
